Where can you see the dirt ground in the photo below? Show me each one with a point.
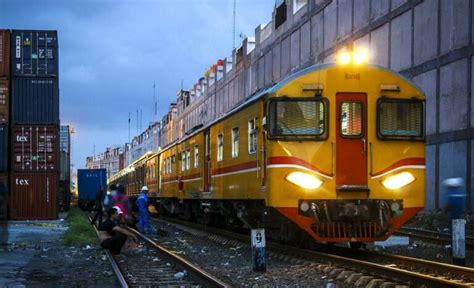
(33, 254)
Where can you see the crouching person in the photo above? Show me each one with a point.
(113, 237)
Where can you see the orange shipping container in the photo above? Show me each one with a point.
(35, 148)
(4, 53)
(33, 196)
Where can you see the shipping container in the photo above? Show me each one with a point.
(4, 101)
(33, 196)
(34, 53)
(4, 53)
(3, 148)
(89, 182)
(3, 196)
(64, 196)
(64, 166)
(34, 148)
(34, 101)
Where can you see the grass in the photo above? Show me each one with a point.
(80, 232)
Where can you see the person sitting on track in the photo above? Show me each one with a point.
(113, 237)
(144, 215)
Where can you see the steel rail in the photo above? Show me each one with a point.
(432, 236)
(393, 273)
(199, 274)
(114, 264)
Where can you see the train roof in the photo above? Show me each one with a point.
(260, 94)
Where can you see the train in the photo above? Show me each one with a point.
(332, 153)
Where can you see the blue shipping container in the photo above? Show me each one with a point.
(89, 182)
(35, 101)
(3, 147)
(34, 53)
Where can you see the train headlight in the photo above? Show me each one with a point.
(398, 181)
(304, 180)
(360, 57)
(344, 58)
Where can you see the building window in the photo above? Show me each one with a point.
(220, 147)
(183, 160)
(235, 142)
(298, 4)
(188, 159)
(252, 131)
(196, 156)
(280, 16)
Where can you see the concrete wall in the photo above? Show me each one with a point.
(428, 41)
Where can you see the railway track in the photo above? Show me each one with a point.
(432, 236)
(399, 269)
(162, 268)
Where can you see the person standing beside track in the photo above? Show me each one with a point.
(114, 237)
(99, 206)
(144, 215)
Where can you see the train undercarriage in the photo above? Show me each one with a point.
(329, 221)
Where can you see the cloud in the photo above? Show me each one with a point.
(81, 74)
(112, 51)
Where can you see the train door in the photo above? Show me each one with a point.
(351, 142)
(207, 160)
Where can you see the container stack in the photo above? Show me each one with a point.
(34, 144)
(4, 119)
(64, 194)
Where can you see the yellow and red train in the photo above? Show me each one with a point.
(333, 152)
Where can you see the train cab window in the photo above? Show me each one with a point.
(188, 159)
(400, 119)
(235, 142)
(220, 147)
(252, 137)
(196, 156)
(298, 119)
(351, 119)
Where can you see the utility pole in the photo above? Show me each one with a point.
(154, 102)
(233, 25)
(129, 120)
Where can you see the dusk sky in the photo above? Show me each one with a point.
(111, 51)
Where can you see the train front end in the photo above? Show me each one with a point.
(345, 152)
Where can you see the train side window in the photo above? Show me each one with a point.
(220, 147)
(188, 159)
(196, 156)
(252, 136)
(352, 119)
(400, 119)
(183, 160)
(235, 142)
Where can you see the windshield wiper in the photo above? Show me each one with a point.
(291, 131)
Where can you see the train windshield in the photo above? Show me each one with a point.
(297, 118)
(400, 119)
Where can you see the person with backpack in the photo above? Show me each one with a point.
(109, 195)
(121, 200)
(144, 216)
